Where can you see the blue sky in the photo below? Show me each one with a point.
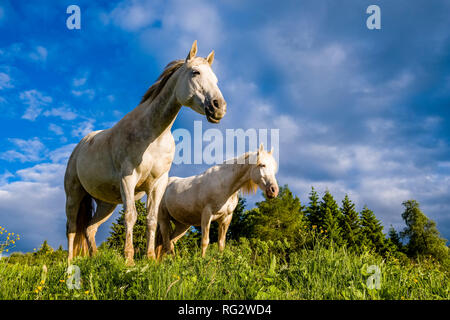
(363, 112)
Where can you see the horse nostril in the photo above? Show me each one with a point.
(215, 103)
(272, 189)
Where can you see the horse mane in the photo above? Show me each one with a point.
(157, 87)
(249, 187)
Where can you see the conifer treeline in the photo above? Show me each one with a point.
(322, 219)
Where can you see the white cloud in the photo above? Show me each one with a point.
(62, 154)
(83, 128)
(64, 113)
(89, 93)
(132, 15)
(77, 82)
(5, 176)
(35, 100)
(45, 172)
(39, 54)
(35, 210)
(5, 81)
(27, 150)
(55, 129)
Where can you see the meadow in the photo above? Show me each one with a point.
(247, 269)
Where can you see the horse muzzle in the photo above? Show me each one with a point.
(215, 110)
(272, 191)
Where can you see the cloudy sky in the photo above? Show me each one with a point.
(362, 112)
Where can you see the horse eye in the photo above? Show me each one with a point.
(262, 165)
(195, 72)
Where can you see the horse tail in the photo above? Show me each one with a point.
(80, 244)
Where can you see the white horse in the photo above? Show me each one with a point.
(213, 196)
(131, 159)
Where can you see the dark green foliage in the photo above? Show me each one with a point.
(45, 248)
(394, 237)
(331, 218)
(424, 238)
(116, 240)
(350, 224)
(285, 219)
(312, 212)
(372, 236)
(280, 218)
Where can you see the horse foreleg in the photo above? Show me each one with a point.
(102, 213)
(206, 223)
(153, 202)
(223, 228)
(127, 187)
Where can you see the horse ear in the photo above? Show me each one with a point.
(210, 58)
(271, 151)
(192, 52)
(261, 148)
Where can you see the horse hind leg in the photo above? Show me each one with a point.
(102, 213)
(180, 230)
(164, 231)
(74, 196)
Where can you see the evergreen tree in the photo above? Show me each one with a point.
(279, 218)
(395, 239)
(116, 240)
(331, 217)
(423, 236)
(371, 230)
(45, 248)
(240, 224)
(312, 211)
(350, 223)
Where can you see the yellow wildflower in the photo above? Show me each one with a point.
(314, 226)
(86, 292)
(62, 280)
(415, 280)
(39, 288)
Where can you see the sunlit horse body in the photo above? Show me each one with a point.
(131, 159)
(213, 196)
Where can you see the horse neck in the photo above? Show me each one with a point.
(161, 112)
(153, 118)
(235, 175)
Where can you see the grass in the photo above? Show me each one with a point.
(245, 270)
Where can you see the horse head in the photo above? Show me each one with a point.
(197, 86)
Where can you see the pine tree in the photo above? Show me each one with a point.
(394, 237)
(280, 218)
(312, 211)
(116, 239)
(423, 236)
(45, 248)
(330, 218)
(371, 230)
(350, 223)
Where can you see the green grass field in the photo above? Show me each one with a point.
(245, 270)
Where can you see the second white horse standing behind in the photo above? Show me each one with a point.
(213, 196)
